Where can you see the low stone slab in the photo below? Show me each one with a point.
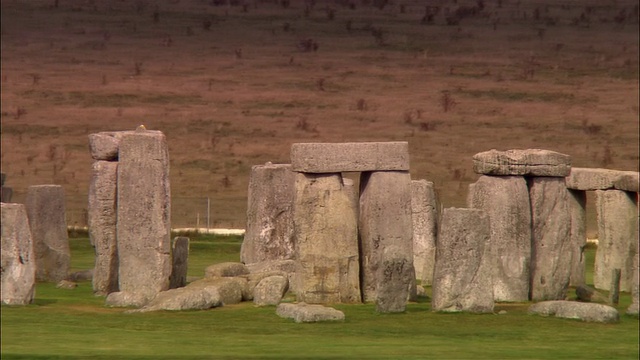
(254, 279)
(127, 299)
(270, 290)
(83, 275)
(18, 261)
(302, 312)
(286, 267)
(589, 312)
(226, 269)
(602, 179)
(343, 157)
(533, 162)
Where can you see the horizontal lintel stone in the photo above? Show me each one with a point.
(345, 157)
(532, 162)
(602, 179)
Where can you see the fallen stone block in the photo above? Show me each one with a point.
(183, 299)
(83, 275)
(532, 162)
(302, 312)
(66, 284)
(128, 299)
(226, 269)
(345, 157)
(585, 293)
(588, 312)
(270, 290)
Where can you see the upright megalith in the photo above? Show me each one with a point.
(617, 237)
(551, 244)
(143, 215)
(102, 225)
(179, 262)
(635, 284)
(424, 214)
(5, 192)
(269, 232)
(577, 207)
(326, 240)
(462, 278)
(506, 200)
(385, 221)
(18, 261)
(395, 280)
(46, 213)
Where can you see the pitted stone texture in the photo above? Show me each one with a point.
(302, 312)
(424, 213)
(270, 290)
(18, 261)
(577, 205)
(144, 213)
(551, 253)
(128, 299)
(384, 221)
(589, 312)
(346, 157)
(106, 145)
(326, 240)
(396, 281)
(46, 212)
(533, 162)
(179, 261)
(635, 286)
(269, 231)
(254, 279)
(602, 179)
(506, 200)
(226, 269)
(283, 267)
(102, 220)
(463, 277)
(617, 222)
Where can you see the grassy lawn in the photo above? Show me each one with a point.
(73, 324)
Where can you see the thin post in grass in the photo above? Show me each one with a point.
(614, 292)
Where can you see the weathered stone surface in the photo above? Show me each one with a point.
(534, 162)
(577, 206)
(602, 179)
(18, 260)
(226, 269)
(128, 299)
(254, 279)
(585, 293)
(66, 284)
(5, 194)
(384, 221)
(424, 214)
(46, 212)
(326, 240)
(345, 157)
(269, 230)
(462, 278)
(302, 312)
(617, 222)
(282, 267)
(506, 200)
(144, 213)
(551, 238)
(3, 177)
(635, 286)
(102, 220)
(395, 280)
(270, 290)
(179, 261)
(105, 145)
(589, 312)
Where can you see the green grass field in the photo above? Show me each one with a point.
(73, 324)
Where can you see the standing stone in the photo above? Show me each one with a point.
(424, 215)
(393, 274)
(577, 205)
(635, 285)
(269, 234)
(551, 239)
(614, 289)
(179, 261)
(506, 200)
(463, 277)
(102, 225)
(385, 221)
(326, 240)
(617, 213)
(18, 262)
(46, 212)
(144, 216)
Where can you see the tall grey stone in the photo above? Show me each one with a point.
(635, 284)
(506, 200)
(269, 231)
(577, 205)
(18, 261)
(143, 215)
(395, 277)
(462, 278)
(617, 222)
(424, 214)
(551, 246)
(102, 225)
(326, 240)
(179, 262)
(46, 212)
(385, 221)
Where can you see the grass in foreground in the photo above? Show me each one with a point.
(73, 324)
